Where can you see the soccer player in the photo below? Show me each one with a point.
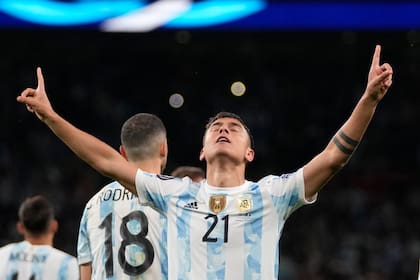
(195, 173)
(118, 237)
(224, 227)
(35, 257)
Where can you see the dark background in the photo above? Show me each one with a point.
(301, 87)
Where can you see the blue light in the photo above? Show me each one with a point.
(219, 14)
(216, 12)
(48, 12)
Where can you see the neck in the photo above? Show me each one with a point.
(149, 165)
(45, 239)
(225, 174)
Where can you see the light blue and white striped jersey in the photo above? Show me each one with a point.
(223, 233)
(22, 260)
(121, 238)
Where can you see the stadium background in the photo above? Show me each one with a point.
(301, 86)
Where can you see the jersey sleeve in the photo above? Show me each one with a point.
(288, 192)
(156, 190)
(83, 246)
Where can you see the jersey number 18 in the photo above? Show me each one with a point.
(128, 238)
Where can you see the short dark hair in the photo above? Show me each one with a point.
(141, 135)
(190, 171)
(35, 213)
(233, 116)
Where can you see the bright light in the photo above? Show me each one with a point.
(176, 100)
(148, 18)
(238, 88)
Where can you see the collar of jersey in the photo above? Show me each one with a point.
(227, 190)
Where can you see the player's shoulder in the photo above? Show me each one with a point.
(7, 247)
(160, 177)
(63, 259)
(268, 179)
(5, 252)
(184, 182)
(21, 244)
(109, 188)
(62, 254)
(272, 178)
(112, 197)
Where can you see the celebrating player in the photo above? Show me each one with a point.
(224, 227)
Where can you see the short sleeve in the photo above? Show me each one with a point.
(83, 246)
(288, 192)
(156, 190)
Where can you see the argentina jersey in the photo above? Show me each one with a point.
(223, 233)
(121, 238)
(23, 260)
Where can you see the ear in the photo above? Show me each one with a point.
(249, 155)
(20, 228)
(163, 152)
(202, 157)
(53, 226)
(123, 152)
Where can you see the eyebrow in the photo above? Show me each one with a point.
(231, 123)
(236, 124)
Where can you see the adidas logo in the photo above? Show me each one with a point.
(191, 205)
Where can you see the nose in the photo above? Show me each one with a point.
(223, 129)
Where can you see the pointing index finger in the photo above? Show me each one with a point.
(376, 57)
(40, 79)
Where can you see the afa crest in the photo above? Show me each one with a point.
(244, 203)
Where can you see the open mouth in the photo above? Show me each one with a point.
(222, 139)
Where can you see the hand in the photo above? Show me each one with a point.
(36, 100)
(379, 78)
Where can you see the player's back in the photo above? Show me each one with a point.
(121, 238)
(23, 260)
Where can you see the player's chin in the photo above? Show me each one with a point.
(228, 155)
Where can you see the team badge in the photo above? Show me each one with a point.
(244, 203)
(217, 203)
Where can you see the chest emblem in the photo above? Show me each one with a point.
(244, 203)
(217, 203)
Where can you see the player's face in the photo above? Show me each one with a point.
(227, 137)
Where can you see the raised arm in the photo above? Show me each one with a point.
(341, 147)
(93, 151)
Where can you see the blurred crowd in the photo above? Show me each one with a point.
(300, 88)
